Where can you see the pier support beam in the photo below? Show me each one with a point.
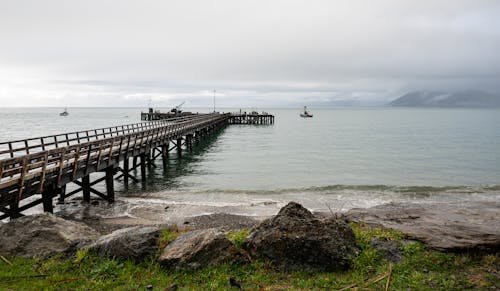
(110, 187)
(189, 142)
(197, 137)
(14, 208)
(125, 170)
(47, 196)
(143, 167)
(134, 162)
(164, 152)
(179, 147)
(86, 188)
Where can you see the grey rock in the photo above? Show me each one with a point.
(450, 226)
(197, 249)
(389, 248)
(295, 240)
(136, 243)
(43, 235)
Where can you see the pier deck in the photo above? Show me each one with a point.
(45, 165)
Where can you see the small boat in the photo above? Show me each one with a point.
(306, 113)
(64, 113)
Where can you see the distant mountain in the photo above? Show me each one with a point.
(465, 99)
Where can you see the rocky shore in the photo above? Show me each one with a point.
(448, 226)
(294, 240)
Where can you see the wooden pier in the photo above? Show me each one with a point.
(45, 165)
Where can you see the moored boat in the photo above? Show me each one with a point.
(64, 113)
(305, 113)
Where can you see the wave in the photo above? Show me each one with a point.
(356, 188)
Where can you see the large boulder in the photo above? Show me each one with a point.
(136, 243)
(295, 240)
(43, 235)
(199, 248)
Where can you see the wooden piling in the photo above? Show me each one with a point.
(110, 188)
(125, 172)
(47, 196)
(14, 208)
(179, 147)
(143, 167)
(86, 188)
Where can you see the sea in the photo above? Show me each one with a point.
(342, 158)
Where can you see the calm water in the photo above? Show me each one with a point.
(337, 157)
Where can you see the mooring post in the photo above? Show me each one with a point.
(110, 187)
(86, 188)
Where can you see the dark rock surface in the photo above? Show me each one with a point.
(450, 226)
(295, 240)
(43, 235)
(222, 221)
(197, 249)
(136, 243)
(389, 248)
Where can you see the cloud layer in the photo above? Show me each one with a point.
(121, 53)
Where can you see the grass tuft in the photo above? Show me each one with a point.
(238, 237)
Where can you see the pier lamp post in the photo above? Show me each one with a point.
(214, 100)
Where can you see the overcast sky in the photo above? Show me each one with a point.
(254, 53)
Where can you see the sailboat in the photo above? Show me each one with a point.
(306, 113)
(64, 113)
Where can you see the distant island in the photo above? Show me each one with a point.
(462, 99)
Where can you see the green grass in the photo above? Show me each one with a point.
(168, 235)
(421, 269)
(237, 237)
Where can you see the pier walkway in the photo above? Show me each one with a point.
(45, 165)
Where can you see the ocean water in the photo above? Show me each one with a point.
(341, 158)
